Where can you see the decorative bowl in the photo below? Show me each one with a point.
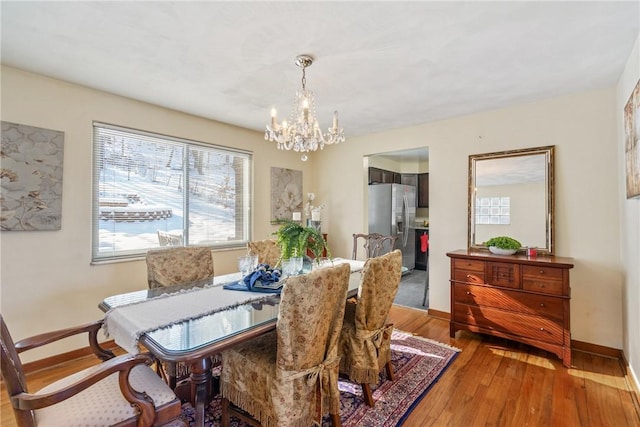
(499, 251)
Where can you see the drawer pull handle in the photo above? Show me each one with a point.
(542, 329)
(541, 271)
(468, 293)
(541, 304)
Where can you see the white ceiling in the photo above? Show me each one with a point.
(383, 65)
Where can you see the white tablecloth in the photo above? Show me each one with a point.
(127, 323)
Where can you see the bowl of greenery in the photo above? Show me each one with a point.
(503, 245)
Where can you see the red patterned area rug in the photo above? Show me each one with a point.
(417, 362)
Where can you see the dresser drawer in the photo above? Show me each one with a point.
(503, 274)
(516, 324)
(548, 273)
(469, 276)
(519, 302)
(468, 264)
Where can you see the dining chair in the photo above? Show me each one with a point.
(365, 339)
(177, 265)
(267, 250)
(289, 377)
(169, 239)
(173, 266)
(121, 391)
(373, 244)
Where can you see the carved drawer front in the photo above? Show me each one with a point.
(503, 274)
(469, 276)
(468, 264)
(517, 324)
(542, 279)
(537, 305)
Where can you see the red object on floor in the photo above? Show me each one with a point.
(424, 242)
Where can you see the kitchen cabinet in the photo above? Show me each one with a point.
(421, 257)
(383, 176)
(410, 179)
(423, 190)
(515, 297)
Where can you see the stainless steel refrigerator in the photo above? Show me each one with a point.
(392, 211)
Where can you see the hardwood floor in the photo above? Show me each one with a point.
(493, 382)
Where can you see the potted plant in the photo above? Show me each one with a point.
(503, 245)
(294, 239)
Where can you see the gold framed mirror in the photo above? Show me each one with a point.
(511, 194)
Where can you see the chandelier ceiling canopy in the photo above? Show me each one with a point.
(302, 133)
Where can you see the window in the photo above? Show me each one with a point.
(493, 210)
(150, 188)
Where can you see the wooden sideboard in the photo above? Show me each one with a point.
(516, 297)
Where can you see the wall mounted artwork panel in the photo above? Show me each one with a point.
(632, 142)
(286, 193)
(31, 173)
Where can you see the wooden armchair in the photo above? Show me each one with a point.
(267, 250)
(290, 377)
(123, 390)
(365, 340)
(374, 244)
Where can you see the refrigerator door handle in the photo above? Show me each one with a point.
(405, 215)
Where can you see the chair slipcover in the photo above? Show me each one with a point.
(290, 377)
(176, 265)
(365, 340)
(173, 266)
(267, 250)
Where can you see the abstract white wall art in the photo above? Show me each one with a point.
(286, 193)
(31, 173)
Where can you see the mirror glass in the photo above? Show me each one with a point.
(511, 194)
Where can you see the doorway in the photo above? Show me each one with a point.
(407, 167)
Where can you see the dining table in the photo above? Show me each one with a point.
(192, 322)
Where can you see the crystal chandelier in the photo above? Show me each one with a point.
(302, 133)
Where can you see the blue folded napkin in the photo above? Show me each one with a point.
(263, 279)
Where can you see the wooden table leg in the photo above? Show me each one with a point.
(201, 387)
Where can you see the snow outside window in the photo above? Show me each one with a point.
(147, 187)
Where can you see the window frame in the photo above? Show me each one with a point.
(186, 145)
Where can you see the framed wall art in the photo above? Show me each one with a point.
(632, 142)
(31, 173)
(286, 193)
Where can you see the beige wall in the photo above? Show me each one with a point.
(47, 280)
(46, 277)
(629, 227)
(583, 129)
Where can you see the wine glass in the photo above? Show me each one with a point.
(244, 265)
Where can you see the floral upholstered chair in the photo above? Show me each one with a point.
(122, 391)
(373, 244)
(289, 377)
(173, 266)
(365, 341)
(267, 250)
(177, 265)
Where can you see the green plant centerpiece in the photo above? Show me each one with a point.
(294, 239)
(503, 245)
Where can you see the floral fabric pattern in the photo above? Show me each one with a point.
(176, 265)
(290, 377)
(267, 250)
(365, 340)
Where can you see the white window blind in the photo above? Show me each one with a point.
(145, 184)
